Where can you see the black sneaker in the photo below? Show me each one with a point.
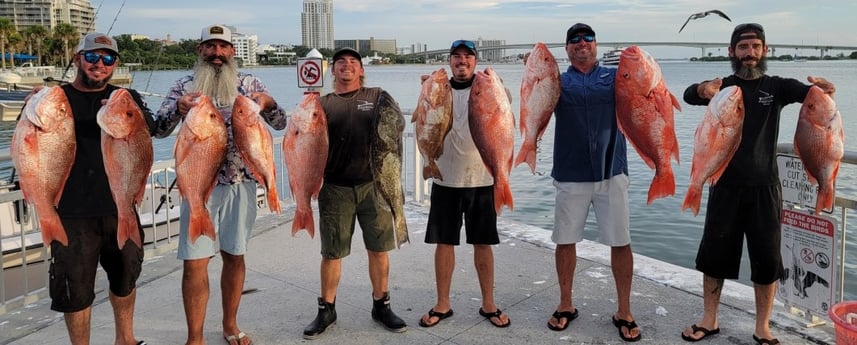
(382, 313)
(326, 317)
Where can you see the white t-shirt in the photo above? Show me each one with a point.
(460, 164)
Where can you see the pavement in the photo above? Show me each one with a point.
(282, 284)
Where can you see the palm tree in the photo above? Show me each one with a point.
(35, 36)
(68, 35)
(6, 28)
(15, 41)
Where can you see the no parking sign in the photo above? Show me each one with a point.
(310, 73)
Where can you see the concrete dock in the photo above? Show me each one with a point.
(282, 284)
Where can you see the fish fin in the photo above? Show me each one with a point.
(503, 196)
(401, 230)
(200, 224)
(273, 200)
(527, 153)
(692, 199)
(663, 185)
(676, 103)
(52, 229)
(303, 220)
(128, 229)
(432, 171)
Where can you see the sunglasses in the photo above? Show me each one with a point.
(466, 43)
(576, 39)
(92, 57)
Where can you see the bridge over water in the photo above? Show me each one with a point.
(822, 49)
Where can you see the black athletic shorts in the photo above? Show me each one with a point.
(73, 268)
(445, 215)
(735, 212)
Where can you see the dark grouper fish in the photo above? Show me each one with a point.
(387, 163)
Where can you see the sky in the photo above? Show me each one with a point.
(436, 23)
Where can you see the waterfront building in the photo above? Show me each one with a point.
(364, 46)
(49, 13)
(246, 47)
(493, 55)
(317, 24)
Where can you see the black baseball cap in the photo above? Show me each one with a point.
(578, 28)
(347, 51)
(747, 31)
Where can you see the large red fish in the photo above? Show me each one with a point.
(256, 146)
(128, 155)
(820, 144)
(43, 149)
(305, 146)
(432, 120)
(644, 112)
(200, 150)
(492, 125)
(716, 139)
(539, 93)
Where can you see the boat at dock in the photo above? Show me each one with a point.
(611, 58)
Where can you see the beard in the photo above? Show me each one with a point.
(216, 82)
(749, 73)
(91, 83)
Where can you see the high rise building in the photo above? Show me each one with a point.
(49, 13)
(317, 24)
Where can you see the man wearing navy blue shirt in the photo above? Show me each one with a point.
(590, 167)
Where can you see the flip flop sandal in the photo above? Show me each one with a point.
(696, 329)
(440, 317)
(236, 338)
(569, 316)
(496, 314)
(763, 341)
(629, 325)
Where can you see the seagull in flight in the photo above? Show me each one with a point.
(702, 15)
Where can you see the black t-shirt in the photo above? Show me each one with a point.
(87, 191)
(351, 123)
(755, 162)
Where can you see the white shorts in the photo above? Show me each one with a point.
(610, 198)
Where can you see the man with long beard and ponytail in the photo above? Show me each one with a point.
(747, 199)
(232, 204)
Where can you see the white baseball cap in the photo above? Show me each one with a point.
(216, 32)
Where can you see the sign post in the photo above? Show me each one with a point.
(311, 72)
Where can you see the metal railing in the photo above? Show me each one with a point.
(24, 259)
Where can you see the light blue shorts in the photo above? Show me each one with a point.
(233, 212)
(610, 201)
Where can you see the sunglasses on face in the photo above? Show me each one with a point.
(466, 43)
(576, 39)
(92, 57)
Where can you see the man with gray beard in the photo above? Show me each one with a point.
(747, 199)
(232, 204)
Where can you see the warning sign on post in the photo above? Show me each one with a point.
(808, 258)
(310, 73)
(797, 190)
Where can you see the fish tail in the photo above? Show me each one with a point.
(432, 171)
(663, 185)
(692, 199)
(824, 199)
(401, 231)
(52, 229)
(303, 220)
(503, 196)
(128, 229)
(200, 224)
(273, 200)
(527, 153)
